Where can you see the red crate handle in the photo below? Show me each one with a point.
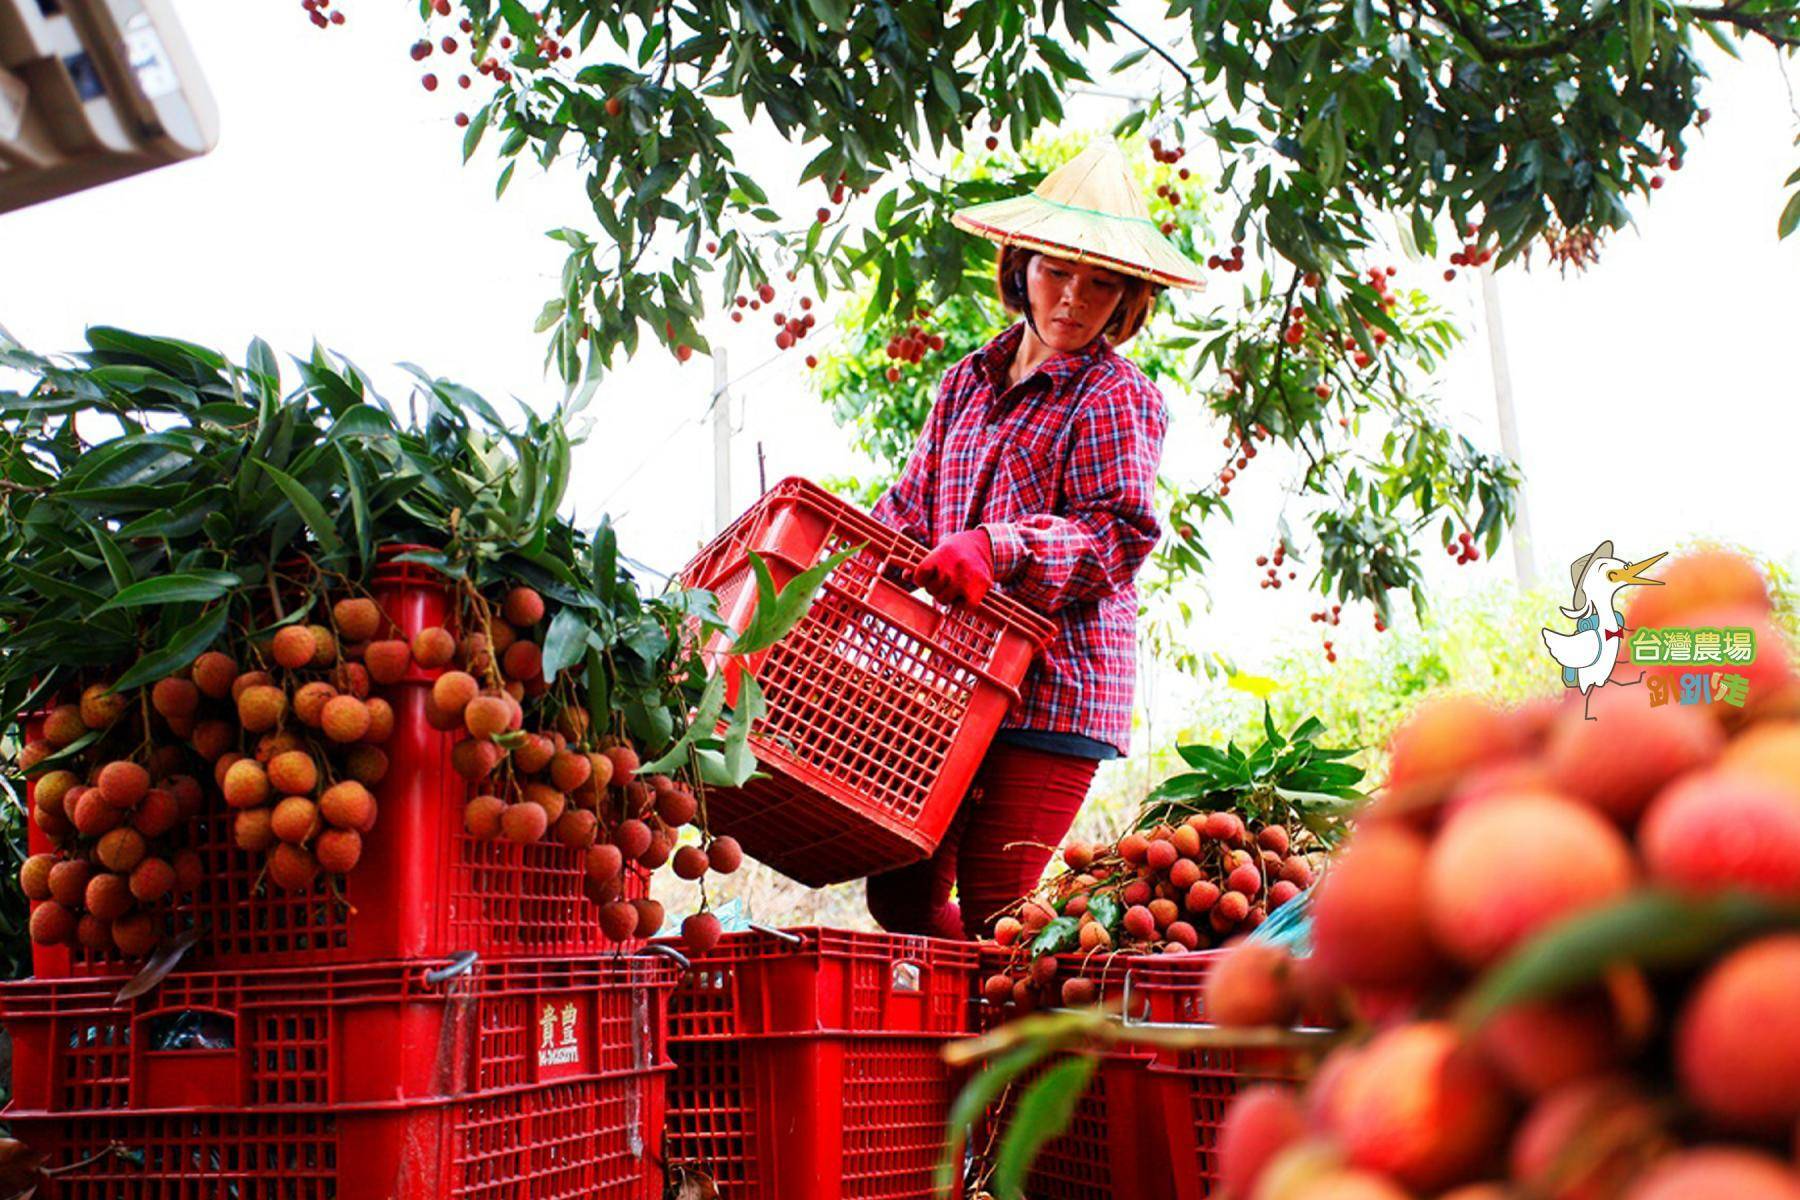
(937, 650)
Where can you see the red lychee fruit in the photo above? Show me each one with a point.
(294, 647)
(338, 850)
(1138, 922)
(68, 882)
(523, 607)
(701, 932)
(175, 698)
(1737, 1041)
(481, 817)
(388, 661)
(475, 760)
(524, 822)
(1261, 1122)
(253, 829)
(690, 862)
(1251, 985)
(108, 896)
(344, 719)
(381, 721)
(486, 717)
(93, 816)
(724, 855)
(123, 783)
(151, 880)
(348, 805)
(1721, 1171)
(1585, 1140)
(650, 917)
(577, 829)
(522, 660)
(1692, 582)
(1224, 827)
(214, 673)
(453, 691)
(1619, 760)
(433, 647)
(309, 702)
(358, 619)
(120, 850)
(1420, 1107)
(295, 819)
(1542, 1045)
(292, 868)
(293, 773)
(618, 920)
(1369, 915)
(603, 862)
(1722, 829)
(1444, 738)
(134, 934)
(1502, 870)
(246, 784)
(101, 709)
(261, 707)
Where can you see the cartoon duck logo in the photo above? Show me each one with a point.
(1589, 654)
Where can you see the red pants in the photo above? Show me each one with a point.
(1019, 807)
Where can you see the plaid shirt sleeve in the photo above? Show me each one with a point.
(1096, 548)
(907, 505)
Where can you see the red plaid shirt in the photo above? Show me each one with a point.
(1060, 470)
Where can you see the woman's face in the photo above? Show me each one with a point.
(1070, 301)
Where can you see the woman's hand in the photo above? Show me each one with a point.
(960, 568)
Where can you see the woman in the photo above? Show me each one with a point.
(1037, 471)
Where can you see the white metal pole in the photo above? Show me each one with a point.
(1524, 563)
(721, 437)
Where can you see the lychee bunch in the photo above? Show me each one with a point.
(1168, 890)
(537, 771)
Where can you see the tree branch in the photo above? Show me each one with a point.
(1161, 53)
(1753, 22)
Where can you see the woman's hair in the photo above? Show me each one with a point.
(1134, 300)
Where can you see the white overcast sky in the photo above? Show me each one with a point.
(1656, 395)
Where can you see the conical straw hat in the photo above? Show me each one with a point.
(1090, 210)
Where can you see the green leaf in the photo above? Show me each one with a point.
(740, 763)
(1654, 928)
(181, 651)
(1106, 911)
(309, 508)
(173, 589)
(972, 1104)
(1790, 217)
(775, 615)
(116, 564)
(566, 643)
(1042, 1113)
(706, 720)
(1059, 935)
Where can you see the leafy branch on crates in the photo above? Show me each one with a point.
(187, 601)
(1289, 780)
(1034, 1109)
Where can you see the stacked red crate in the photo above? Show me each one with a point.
(412, 1038)
(809, 1063)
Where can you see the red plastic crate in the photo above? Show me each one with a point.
(772, 1029)
(1192, 1094)
(376, 1033)
(1119, 1142)
(880, 704)
(815, 980)
(424, 887)
(596, 1139)
(811, 1116)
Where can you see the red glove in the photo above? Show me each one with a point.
(960, 568)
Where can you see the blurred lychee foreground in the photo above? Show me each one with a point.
(1593, 932)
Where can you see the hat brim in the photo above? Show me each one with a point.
(1126, 245)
